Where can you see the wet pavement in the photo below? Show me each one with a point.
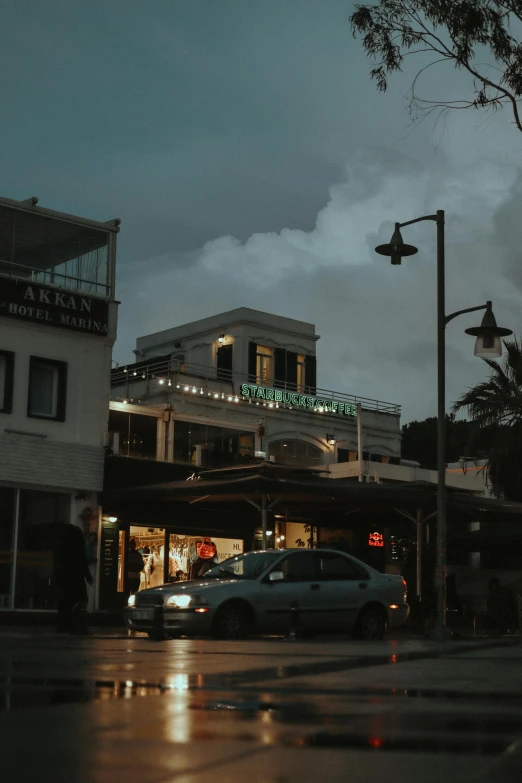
(117, 707)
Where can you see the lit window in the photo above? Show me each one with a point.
(264, 365)
(47, 384)
(300, 372)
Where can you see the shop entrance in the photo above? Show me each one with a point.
(167, 557)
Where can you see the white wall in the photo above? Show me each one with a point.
(59, 454)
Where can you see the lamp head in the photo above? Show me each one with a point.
(488, 344)
(396, 248)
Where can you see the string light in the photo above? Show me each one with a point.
(186, 388)
(194, 390)
(143, 375)
(170, 382)
(236, 399)
(216, 396)
(161, 381)
(201, 391)
(134, 373)
(177, 385)
(229, 399)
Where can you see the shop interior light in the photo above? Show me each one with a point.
(269, 532)
(282, 538)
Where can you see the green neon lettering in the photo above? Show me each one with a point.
(261, 392)
(269, 394)
(302, 401)
(295, 399)
(287, 397)
(341, 407)
(245, 390)
(335, 406)
(310, 402)
(278, 396)
(354, 410)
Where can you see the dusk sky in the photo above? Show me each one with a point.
(253, 163)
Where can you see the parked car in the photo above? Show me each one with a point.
(307, 591)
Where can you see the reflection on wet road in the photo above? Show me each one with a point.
(163, 708)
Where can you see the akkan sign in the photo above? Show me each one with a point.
(54, 307)
(298, 400)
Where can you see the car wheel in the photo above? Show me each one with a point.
(232, 622)
(371, 624)
(157, 636)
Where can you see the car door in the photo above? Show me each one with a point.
(294, 600)
(344, 588)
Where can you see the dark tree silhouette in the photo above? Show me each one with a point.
(465, 34)
(495, 409)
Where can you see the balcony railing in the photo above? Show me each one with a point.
(174, 374)
(51, 277)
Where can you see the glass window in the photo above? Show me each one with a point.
(210, 446)
(39, 514)
(7, 513)
(264, 365)
(138, 434)
(300, 372)
(248, 566)
(295, 452)
(3, 375)
(47, 384)
(336, 567)
(6, 381)
(300, 567)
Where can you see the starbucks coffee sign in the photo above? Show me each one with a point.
(53, 307)
(261, 393)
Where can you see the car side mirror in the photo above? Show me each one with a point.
(276, 576)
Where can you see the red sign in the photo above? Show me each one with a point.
(376, 539)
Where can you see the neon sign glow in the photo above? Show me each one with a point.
(299, 400)
(376, 539)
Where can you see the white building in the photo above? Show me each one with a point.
(239, 384)
(58, 321)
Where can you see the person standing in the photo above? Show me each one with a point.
(135, 566)
(71, 572)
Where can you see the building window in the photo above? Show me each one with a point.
(133, 435)
(212, 446)
(6, 381)
(47, 389)
(300, 372)
(263, 365)
(295, 452)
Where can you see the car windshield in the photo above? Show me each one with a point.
(248, 566)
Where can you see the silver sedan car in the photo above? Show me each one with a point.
(304, 591)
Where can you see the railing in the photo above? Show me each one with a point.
(179, 374)
(50, 277)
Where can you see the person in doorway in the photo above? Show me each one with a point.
(135, 566)
(71, 572)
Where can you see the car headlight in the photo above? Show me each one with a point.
(132, 600)
(182, 600)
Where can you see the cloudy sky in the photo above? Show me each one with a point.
(253, 163)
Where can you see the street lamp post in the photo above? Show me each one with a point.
(488, 344)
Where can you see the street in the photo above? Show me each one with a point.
(114, 707)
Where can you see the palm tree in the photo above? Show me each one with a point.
(495, 410)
